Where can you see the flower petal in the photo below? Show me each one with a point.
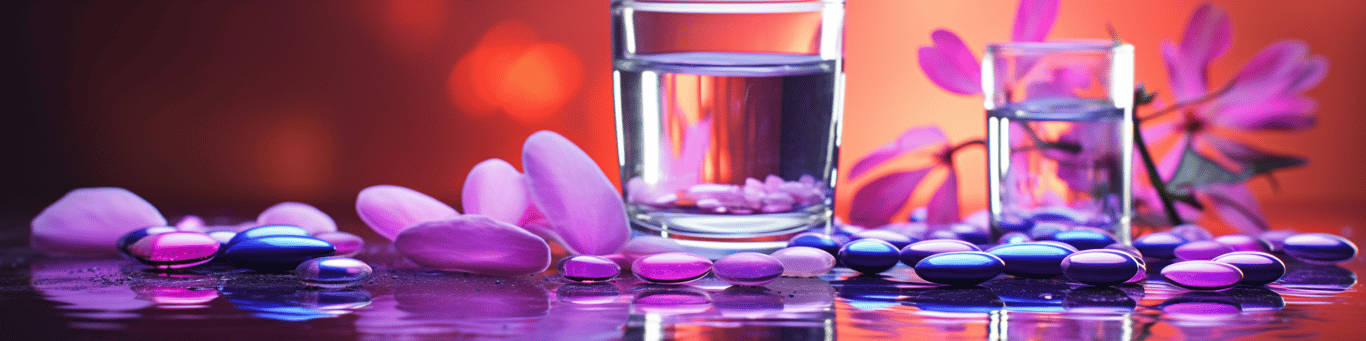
(87, 221)
(1186, 78)
(1207, 36)
(474, 244)
(878, 201)
(496, 190)
(945, 65)
(575, 196)
(1310, 73)
(943, 206)
(1269, 73)
(303, 215)
(911, 140)
(1282, 113)
(1034, 19)
(388, 209)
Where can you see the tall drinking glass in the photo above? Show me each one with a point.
(728, 118)
(1060, 134)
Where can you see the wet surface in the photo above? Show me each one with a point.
(46, 298)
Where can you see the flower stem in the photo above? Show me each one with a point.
(1153, 176)
(1178, 106)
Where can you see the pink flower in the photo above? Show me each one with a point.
(878, 201)
(950, 64)
(1266, 95)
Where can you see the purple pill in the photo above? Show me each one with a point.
(1101, 267)
(174, 250)
(1275, 239)
(1161, 245)
(671, 267)
(1259, 268)
(135, 235)
(1320, 248)
(1202, 275)
(912, 254)
(1242, 242)
(1192, 232)
(1201, 250)
(802, 261)
(748, 268)
(588, 268)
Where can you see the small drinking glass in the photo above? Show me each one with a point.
(1060, 134)
(728, 118)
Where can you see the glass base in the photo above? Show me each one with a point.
(716, 235)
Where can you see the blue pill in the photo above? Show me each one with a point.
(1161, 245)
(1057, 214)
(963, 268)
(1014, 223)
(1319, 248)
(135, 235)
(817, 240)
(1259, 268)
(971, 233)
(1084, 240)
(268, 230)
(1100, 267)
(1032, 260)
(912, 254)
(1014, 238)
(896, 239)
(1046, 230)
(869, 256)
(276, 254)
(333, 272)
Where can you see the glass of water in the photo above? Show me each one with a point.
(1060, 134)
(728, 118)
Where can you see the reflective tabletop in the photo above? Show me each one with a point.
(97, 299)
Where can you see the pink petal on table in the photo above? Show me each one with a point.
(943, 206)
(1034, 19)
(943, 64)
(87, 221)
(474, 244)
(878, 201)
(911, 140)
(388, 209)
(496, 190)
(1207, 36)
(1236, 205)
(303, 215)
(575, 196)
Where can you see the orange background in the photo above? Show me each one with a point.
(226, 107)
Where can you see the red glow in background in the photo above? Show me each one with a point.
(226, 107)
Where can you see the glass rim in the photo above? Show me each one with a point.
(1057, 45)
